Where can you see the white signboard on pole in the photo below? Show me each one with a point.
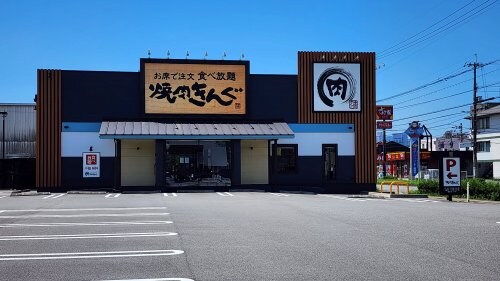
(450, 175)
(91, 164)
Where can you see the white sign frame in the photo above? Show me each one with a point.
(325, 100)
(91, 168)
(453, 172)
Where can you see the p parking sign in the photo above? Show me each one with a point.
(449, 180)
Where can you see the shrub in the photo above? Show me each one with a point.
(481, 189)
(428, 186)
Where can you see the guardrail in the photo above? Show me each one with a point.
(397, 183)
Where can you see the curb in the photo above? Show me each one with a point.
(28, 193)
(85, 192)
(387, 195)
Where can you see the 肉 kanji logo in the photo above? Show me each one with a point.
(336, 87)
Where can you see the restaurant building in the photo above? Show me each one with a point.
(181, 124)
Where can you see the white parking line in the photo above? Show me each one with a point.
(416, 200)
(104, 223)
(2, 197)
(57, 196)
(85, 215)
(49, 196)
(89, 255)
(173, 194)
(87, 209)
(111, 194)
(498, 221)
(278, 194)
(84, 236)
(153, 279)
(348, 198)
(225, 194)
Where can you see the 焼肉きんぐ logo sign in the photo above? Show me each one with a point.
(195, 88)
(337, 87)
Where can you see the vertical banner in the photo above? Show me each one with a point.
(91, 164)
(414, 156)
(415, 132)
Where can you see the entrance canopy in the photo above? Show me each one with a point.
(155, 130)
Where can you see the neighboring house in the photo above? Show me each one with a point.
(488, 142)
(451, 143)
(17, 163)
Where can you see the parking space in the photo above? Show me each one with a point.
(97, 243)
(238, 236)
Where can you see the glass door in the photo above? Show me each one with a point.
(329, 162)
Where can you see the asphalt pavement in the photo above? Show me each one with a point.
(245, 236)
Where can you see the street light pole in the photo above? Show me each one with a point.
(4, 114)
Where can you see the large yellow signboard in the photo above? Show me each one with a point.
(176, 88)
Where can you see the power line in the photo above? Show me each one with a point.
(431, 112)
(441, 118)
(425, 85)
(449, 96)
(437, 81)
(458, 20)
(442, 89)
(436, 23)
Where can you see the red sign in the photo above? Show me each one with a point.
(384, 125)
(384, 112)
(395, 156)
(91, 159)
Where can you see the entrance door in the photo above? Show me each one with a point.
(329, 162)
(183, 162)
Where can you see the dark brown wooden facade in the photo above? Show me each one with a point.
(364, 121)
(48, 130)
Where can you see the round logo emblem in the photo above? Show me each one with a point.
(336, 85)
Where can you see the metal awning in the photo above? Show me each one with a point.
(155, 130)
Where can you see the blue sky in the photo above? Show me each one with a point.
(113, 35)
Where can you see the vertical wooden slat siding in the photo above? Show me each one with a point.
(364, 121)
(48, 138)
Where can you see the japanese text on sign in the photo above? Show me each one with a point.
(194, 88)
(91, 164)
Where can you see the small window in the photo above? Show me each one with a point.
(483, 123)
(286, 158)
(483, 146)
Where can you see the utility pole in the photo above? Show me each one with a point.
(475, 101)
(475, 65)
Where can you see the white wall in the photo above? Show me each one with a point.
(74, 143)
(310, 144)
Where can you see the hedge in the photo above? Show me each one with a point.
(478, 188)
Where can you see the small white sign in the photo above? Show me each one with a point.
(91, 164)
(337, 87)
(451, 172)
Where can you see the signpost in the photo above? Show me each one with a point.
(415, 132)
(384, 112)
(384, 125)
(449, 178)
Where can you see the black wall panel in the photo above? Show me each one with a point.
(93, 96)
(309, 172)
(72, 178)
(273, 97)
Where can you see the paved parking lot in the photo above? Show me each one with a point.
(245, 236)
